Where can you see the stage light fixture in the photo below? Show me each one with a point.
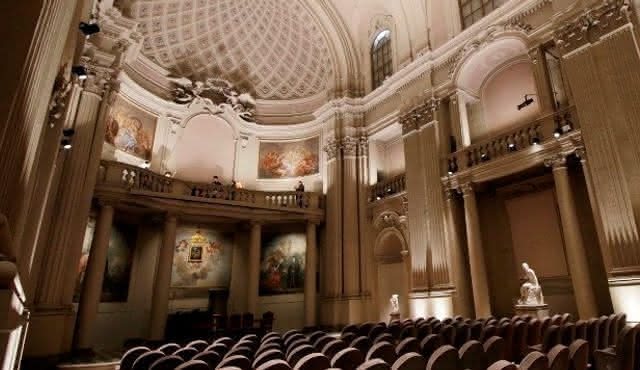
(89, 29)
(557, 133)
(80, 71)
(65, 143)
(528, 100)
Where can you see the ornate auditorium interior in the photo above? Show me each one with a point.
(315, 184)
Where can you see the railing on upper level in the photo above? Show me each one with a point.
(394, 185)
(124, 176)
(533, 133)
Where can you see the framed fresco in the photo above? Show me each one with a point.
(84, 257)
(202, 258)
(282, 160)
(117, 274)
(130, 129)
(282, 263)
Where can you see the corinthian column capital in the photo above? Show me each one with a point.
(349, 145)
(467, 189)
(331, 148)
(557, 161)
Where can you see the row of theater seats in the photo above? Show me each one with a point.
(453, 344)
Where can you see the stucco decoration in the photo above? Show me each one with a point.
(385, 224)
(272, 48)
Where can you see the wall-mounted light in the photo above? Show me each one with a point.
(80, 71)
(528, 100)
(535, 140)
(65, 143)
(512, 147)
(89, 29)
(168, 174)
(67, 134)
(453, 168)
(557, 132)
(484, 157)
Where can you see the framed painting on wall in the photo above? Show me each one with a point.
(117, 274)
(282, 160)
(202, 258)
(282, 263)
(130, 129)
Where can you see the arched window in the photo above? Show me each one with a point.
(381, 60)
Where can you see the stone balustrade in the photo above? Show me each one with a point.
(538, 132)
(125, 177)
(392, 186)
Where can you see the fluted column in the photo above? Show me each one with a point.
(332, 256)
(350, 241)
(576, 254)
(162, 284)
(545, 97)
(310, 277)
(93, 279)
(479, 279)
(253, 279)
(463, 302)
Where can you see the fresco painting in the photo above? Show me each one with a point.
(122, 241)
(279, 160)
(202, 258)
(282, 263)
(131, 129)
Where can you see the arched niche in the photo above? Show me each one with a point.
(492, 75)
(206, 148)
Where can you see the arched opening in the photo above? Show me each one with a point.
(392, 273)
(205, 149)
(381, 58)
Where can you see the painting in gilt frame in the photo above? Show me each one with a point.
(281, 160)
(130, 129)
(202, 258)
(282, 263)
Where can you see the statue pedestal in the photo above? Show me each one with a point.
(537, 311)
(394, 316)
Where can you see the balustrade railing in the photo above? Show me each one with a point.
(387, 188)
(533, 133)
(127, 177)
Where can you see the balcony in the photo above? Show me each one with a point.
(532, 137)
(121, 181)
(385, 189)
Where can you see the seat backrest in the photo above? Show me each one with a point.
(519, 340)
(475, 331)
(375, 364)
(239, 361)
(347, 359)
(429, 344)
(603, 331)
(247, 320)
(129, 357)
(534, 361)
(407, 345)
(410, 361)
(348, 337)
(558, 357)
(147, 359)
(193, 365)
(568, 334)
(350, 329)
(313, 361)
(186, 353)
(444, 358)
(566, 318)
(383, 350)
(289, 333)
(494, 349)
(333, 347)
(295, 344)
(551, 338)
(472, 356)
(169, 348)
(313, 337)
(533, 332)
(211, 358)
(268, 355)
(375, 331)
(448, 334)
(579, 355)
(626, 347)
(593, 335)
(362, 343)
(167, 363)
(546, 322)
(274, 365)
(321, 342)
(365, 328)
(384, 337)
(298, 353)
(293, 338)
(487, 332)
(502, 365)
(556, 319)
(462, 334)
(581, 329)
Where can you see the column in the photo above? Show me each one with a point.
(350, 234)
(332, 255)
(463, 302)
(93, 279)
(479, 280)
(574, 245)
(310, 277)
(254, 267)
(546, 99)
(160, 298)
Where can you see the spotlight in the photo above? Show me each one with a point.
(557, 133)
(484, 156)
(453, 168)
(512, 147)
(89, 28)
(167, 174)
(79, 71)
(535, 140)
(378, 198)
(389, 190)
(528, 100)
(65, 143)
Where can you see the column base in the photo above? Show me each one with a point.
(426, 304)
(47, 323)
(538, 311)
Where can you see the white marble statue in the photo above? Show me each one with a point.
(395, 305)
(530, 291)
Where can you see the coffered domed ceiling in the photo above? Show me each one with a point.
(271, 48)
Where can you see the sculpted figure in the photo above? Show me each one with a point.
(530, 291)
(395, 305)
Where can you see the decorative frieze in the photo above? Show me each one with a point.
(593, 24)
